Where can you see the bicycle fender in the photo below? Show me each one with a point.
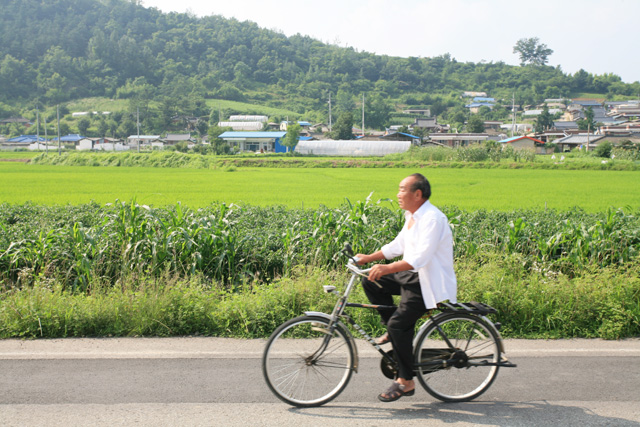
(356, 358)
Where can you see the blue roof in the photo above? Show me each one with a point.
(74, 137)
(587, 102)
(305, 138)
(479, 104)
(483, 99)
(233, 134)
(409, 135)
(26, 139)
(400, 133)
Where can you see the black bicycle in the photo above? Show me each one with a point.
(309, 360)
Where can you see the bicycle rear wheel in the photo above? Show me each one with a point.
(304, 365)
(453, 355)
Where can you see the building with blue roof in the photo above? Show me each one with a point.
(303, 124)
(72, 137)
(483, 99)
(475, 106)
(402, 136)
(26, 139)
(263, 142)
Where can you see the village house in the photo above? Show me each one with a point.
(135, 141)
(524, 143)
(454, 140)
(175, 138)
(586, 140)
(257, 142)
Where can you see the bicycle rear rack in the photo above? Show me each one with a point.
(470, 307)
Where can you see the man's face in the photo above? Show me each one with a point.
(407, 199)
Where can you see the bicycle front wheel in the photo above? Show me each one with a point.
(306, 365)
(456, 356)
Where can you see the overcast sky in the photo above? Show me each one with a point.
(600, 36)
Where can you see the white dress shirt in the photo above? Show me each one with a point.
(428, 247)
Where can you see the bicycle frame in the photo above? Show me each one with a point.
(338, 313)
(335, 319)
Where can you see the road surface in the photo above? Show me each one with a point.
(217, 381)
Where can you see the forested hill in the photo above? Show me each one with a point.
(54, 51)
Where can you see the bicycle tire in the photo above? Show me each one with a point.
(294, 374)
(464, 377)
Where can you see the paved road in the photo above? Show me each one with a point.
(214, 381)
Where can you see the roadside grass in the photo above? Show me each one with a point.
(601, 303)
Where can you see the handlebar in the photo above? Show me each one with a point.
(353, 267)
(352, 264)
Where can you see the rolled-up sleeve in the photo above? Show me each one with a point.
(395, 248)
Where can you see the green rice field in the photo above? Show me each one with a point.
(492, 189)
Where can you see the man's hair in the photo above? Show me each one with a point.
(421, 183)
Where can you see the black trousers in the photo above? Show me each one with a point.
(400, 322)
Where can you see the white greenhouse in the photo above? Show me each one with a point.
(352, 147)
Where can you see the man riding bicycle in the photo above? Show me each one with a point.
(423, 278)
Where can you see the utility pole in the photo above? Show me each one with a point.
(329, 111)
(513, 113)
(38, 128)
(138, 126)
(46, 141)
(363, 114)
(58, 113)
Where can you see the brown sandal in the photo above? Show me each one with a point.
(395, 392)
(383, 339)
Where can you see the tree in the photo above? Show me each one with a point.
(588, 123)
(218, 145)
(532, 52)
(103, 128)
(344, 101)
(377, 111)
(604, 149)
(343, 129)
(544, 121)
(202, 126)
(83, 125)
(291, 138)
(476, 124)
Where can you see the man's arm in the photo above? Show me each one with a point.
(366, 259)
(380, 270)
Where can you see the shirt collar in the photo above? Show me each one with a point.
(419, 213)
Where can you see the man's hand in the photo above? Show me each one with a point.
(379, 270)
(363, 259)
(366, 259)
